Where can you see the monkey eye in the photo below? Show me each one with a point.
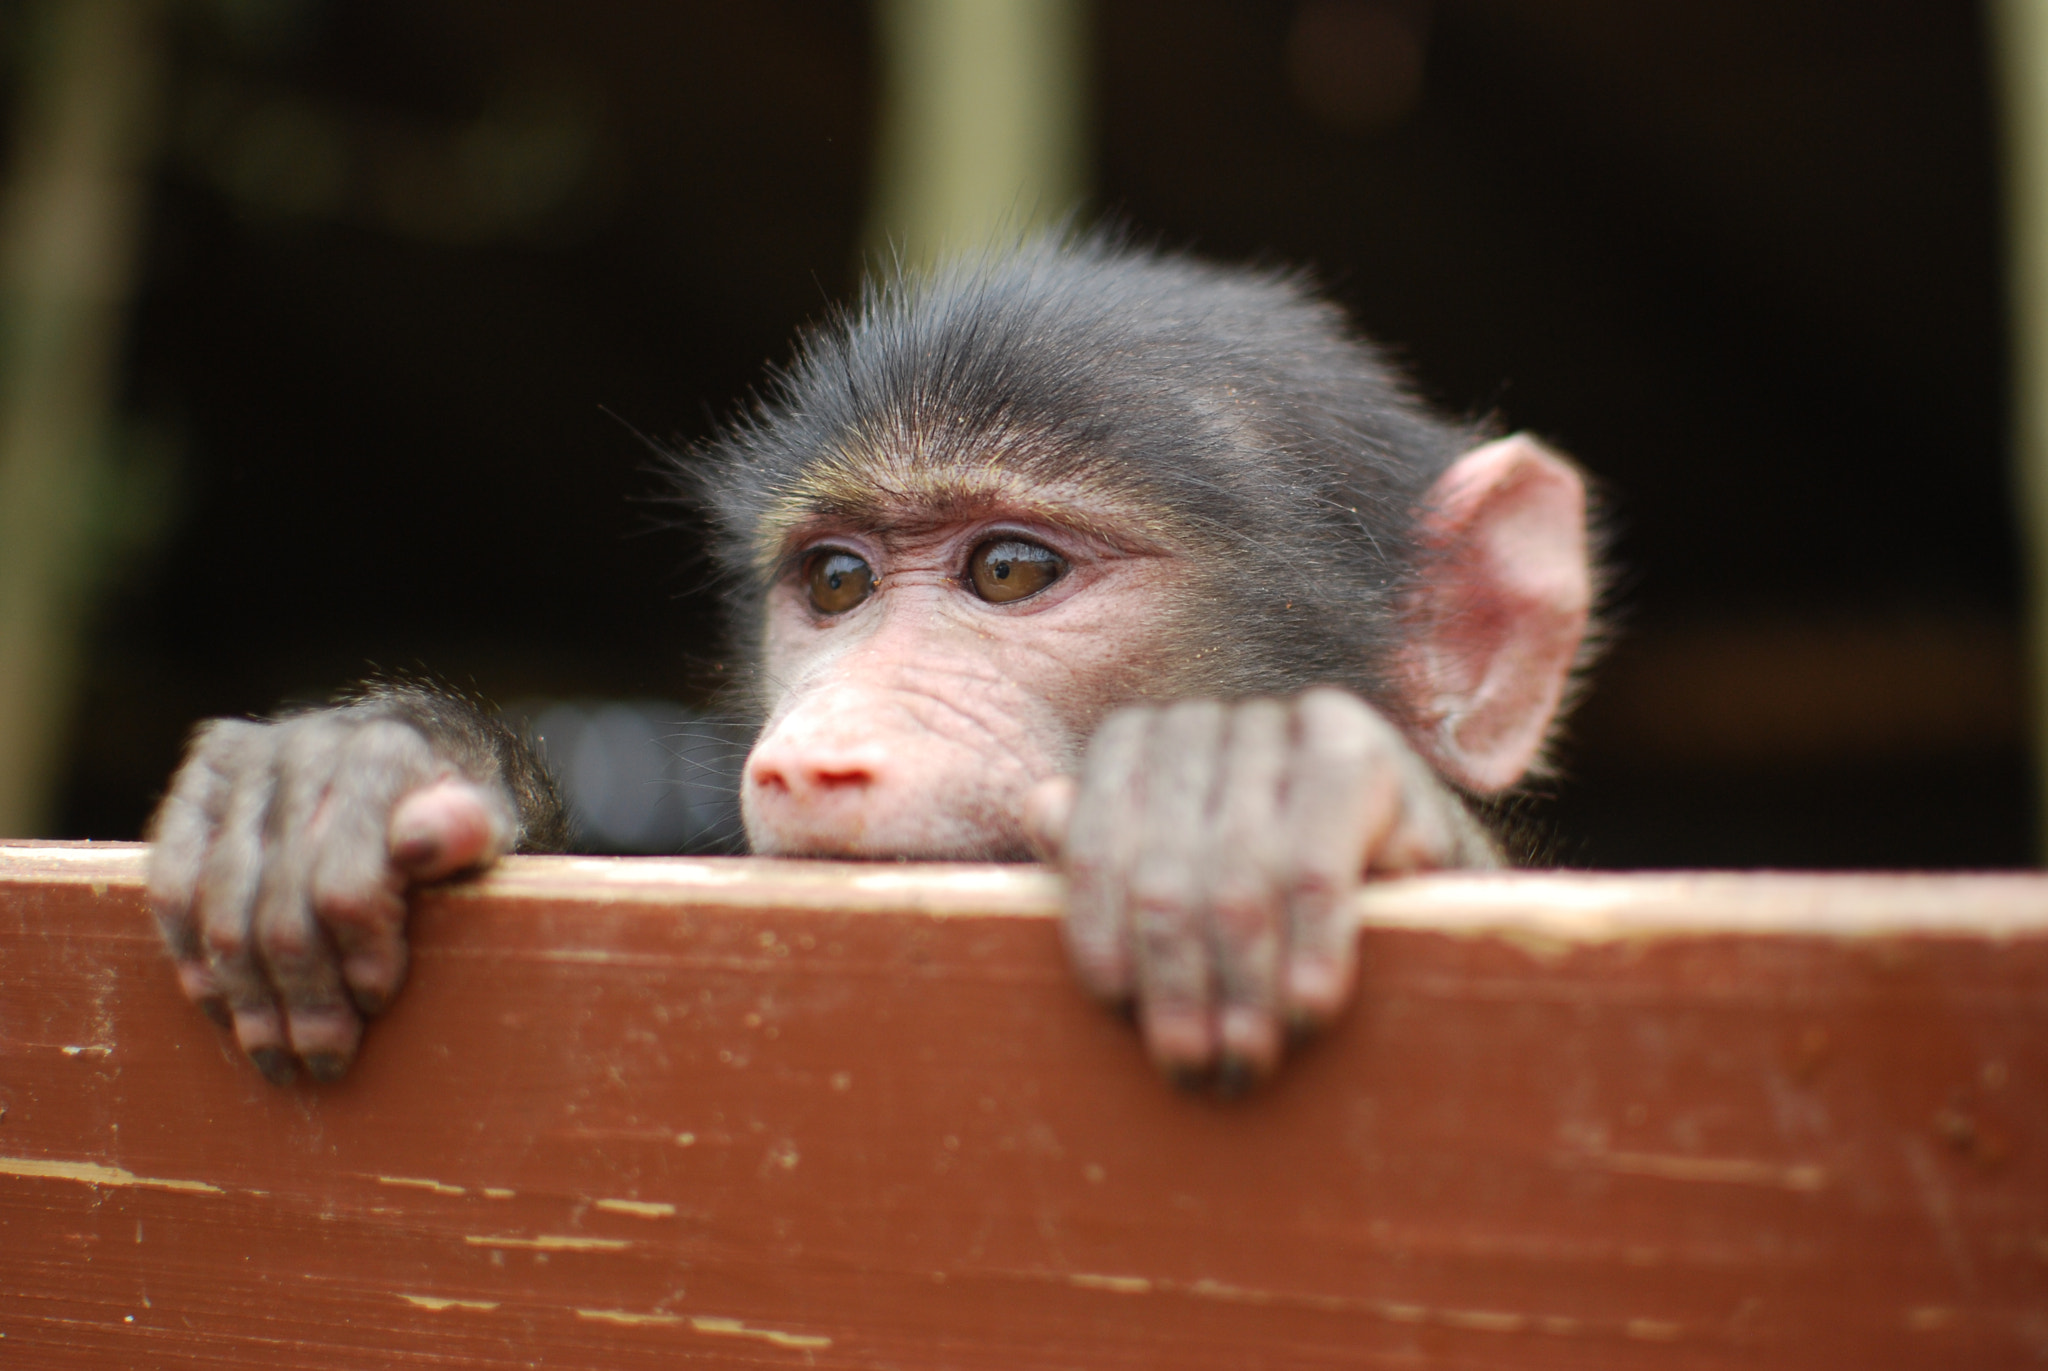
(1005, 569)
(838, 581)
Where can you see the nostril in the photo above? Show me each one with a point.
(804, 775)
(767, 776)
(849, 777)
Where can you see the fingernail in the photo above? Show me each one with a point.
(369, 1002)
(275, 1064)
(417, 849)
(217, 1010)
(1235, 1078)
(327, 1066)
(1313, 982)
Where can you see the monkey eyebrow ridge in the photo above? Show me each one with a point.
(859, 492)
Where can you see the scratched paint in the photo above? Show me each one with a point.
(640, 1209)
(1804, 1177)
(548, 1242)
(627, 1318)
(92, 1173)
(437, 1303)
(420, 1183)
(734, 1328)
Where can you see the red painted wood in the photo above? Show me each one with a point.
(732, 1113)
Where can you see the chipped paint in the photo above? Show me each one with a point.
(1804, 1177)
(734, 1328)
(629, 1319)
(1652, 1330)
(92, 1173)
(1117, 1285)
(440, 1302)
(639, 1209)
(1235, 1294)
(78, 1051)
(497, 1192)
(549, 1242)
(1484, 1320)
(421, 1183)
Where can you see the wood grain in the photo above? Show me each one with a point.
(637, 1113)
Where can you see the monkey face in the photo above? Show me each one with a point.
(926, 675)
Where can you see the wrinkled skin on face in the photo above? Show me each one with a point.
(914, 723)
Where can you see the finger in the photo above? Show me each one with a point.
(448, 826)
(180, 832)
(1344, 795)
(1435, 829)
(1249, 865)
(297, 958)
(1098, 854)
(1048, 812)
(224, 907)
(357, 892)
(1169, 903)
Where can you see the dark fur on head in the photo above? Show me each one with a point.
(1234, 412)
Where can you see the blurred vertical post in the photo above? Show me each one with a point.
(2018, 37)
(984, 123)
(68, 235)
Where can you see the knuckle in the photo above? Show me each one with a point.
(225, 945)
(1196, 713)
(1317, 876)
(389, 743)
(1162, 892)
(1243, 914)
(1118, 740)
(354, 908)
(289, 949)
(1335, 723)
(225, 746)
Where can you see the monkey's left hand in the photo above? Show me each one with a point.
(1212, 852)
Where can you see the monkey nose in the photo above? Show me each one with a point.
(798, 776)
(806, 798)
(808, 766)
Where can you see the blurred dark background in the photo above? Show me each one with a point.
(414, 275)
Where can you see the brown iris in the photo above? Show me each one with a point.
(838, 581)
(1005, 569)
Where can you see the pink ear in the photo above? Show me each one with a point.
(1502, 610)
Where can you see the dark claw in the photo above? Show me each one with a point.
(275, 1064)
(1188, 1078)
(417, 852)
(327, 1066)
(217, 1010)
(1301, 1028)
(368, 1003)
(1235, 1078)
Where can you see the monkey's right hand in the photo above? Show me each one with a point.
(281, 860)
(1212, 852)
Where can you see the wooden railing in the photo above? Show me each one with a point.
(649, 1113)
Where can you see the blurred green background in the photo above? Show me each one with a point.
(329, 330)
